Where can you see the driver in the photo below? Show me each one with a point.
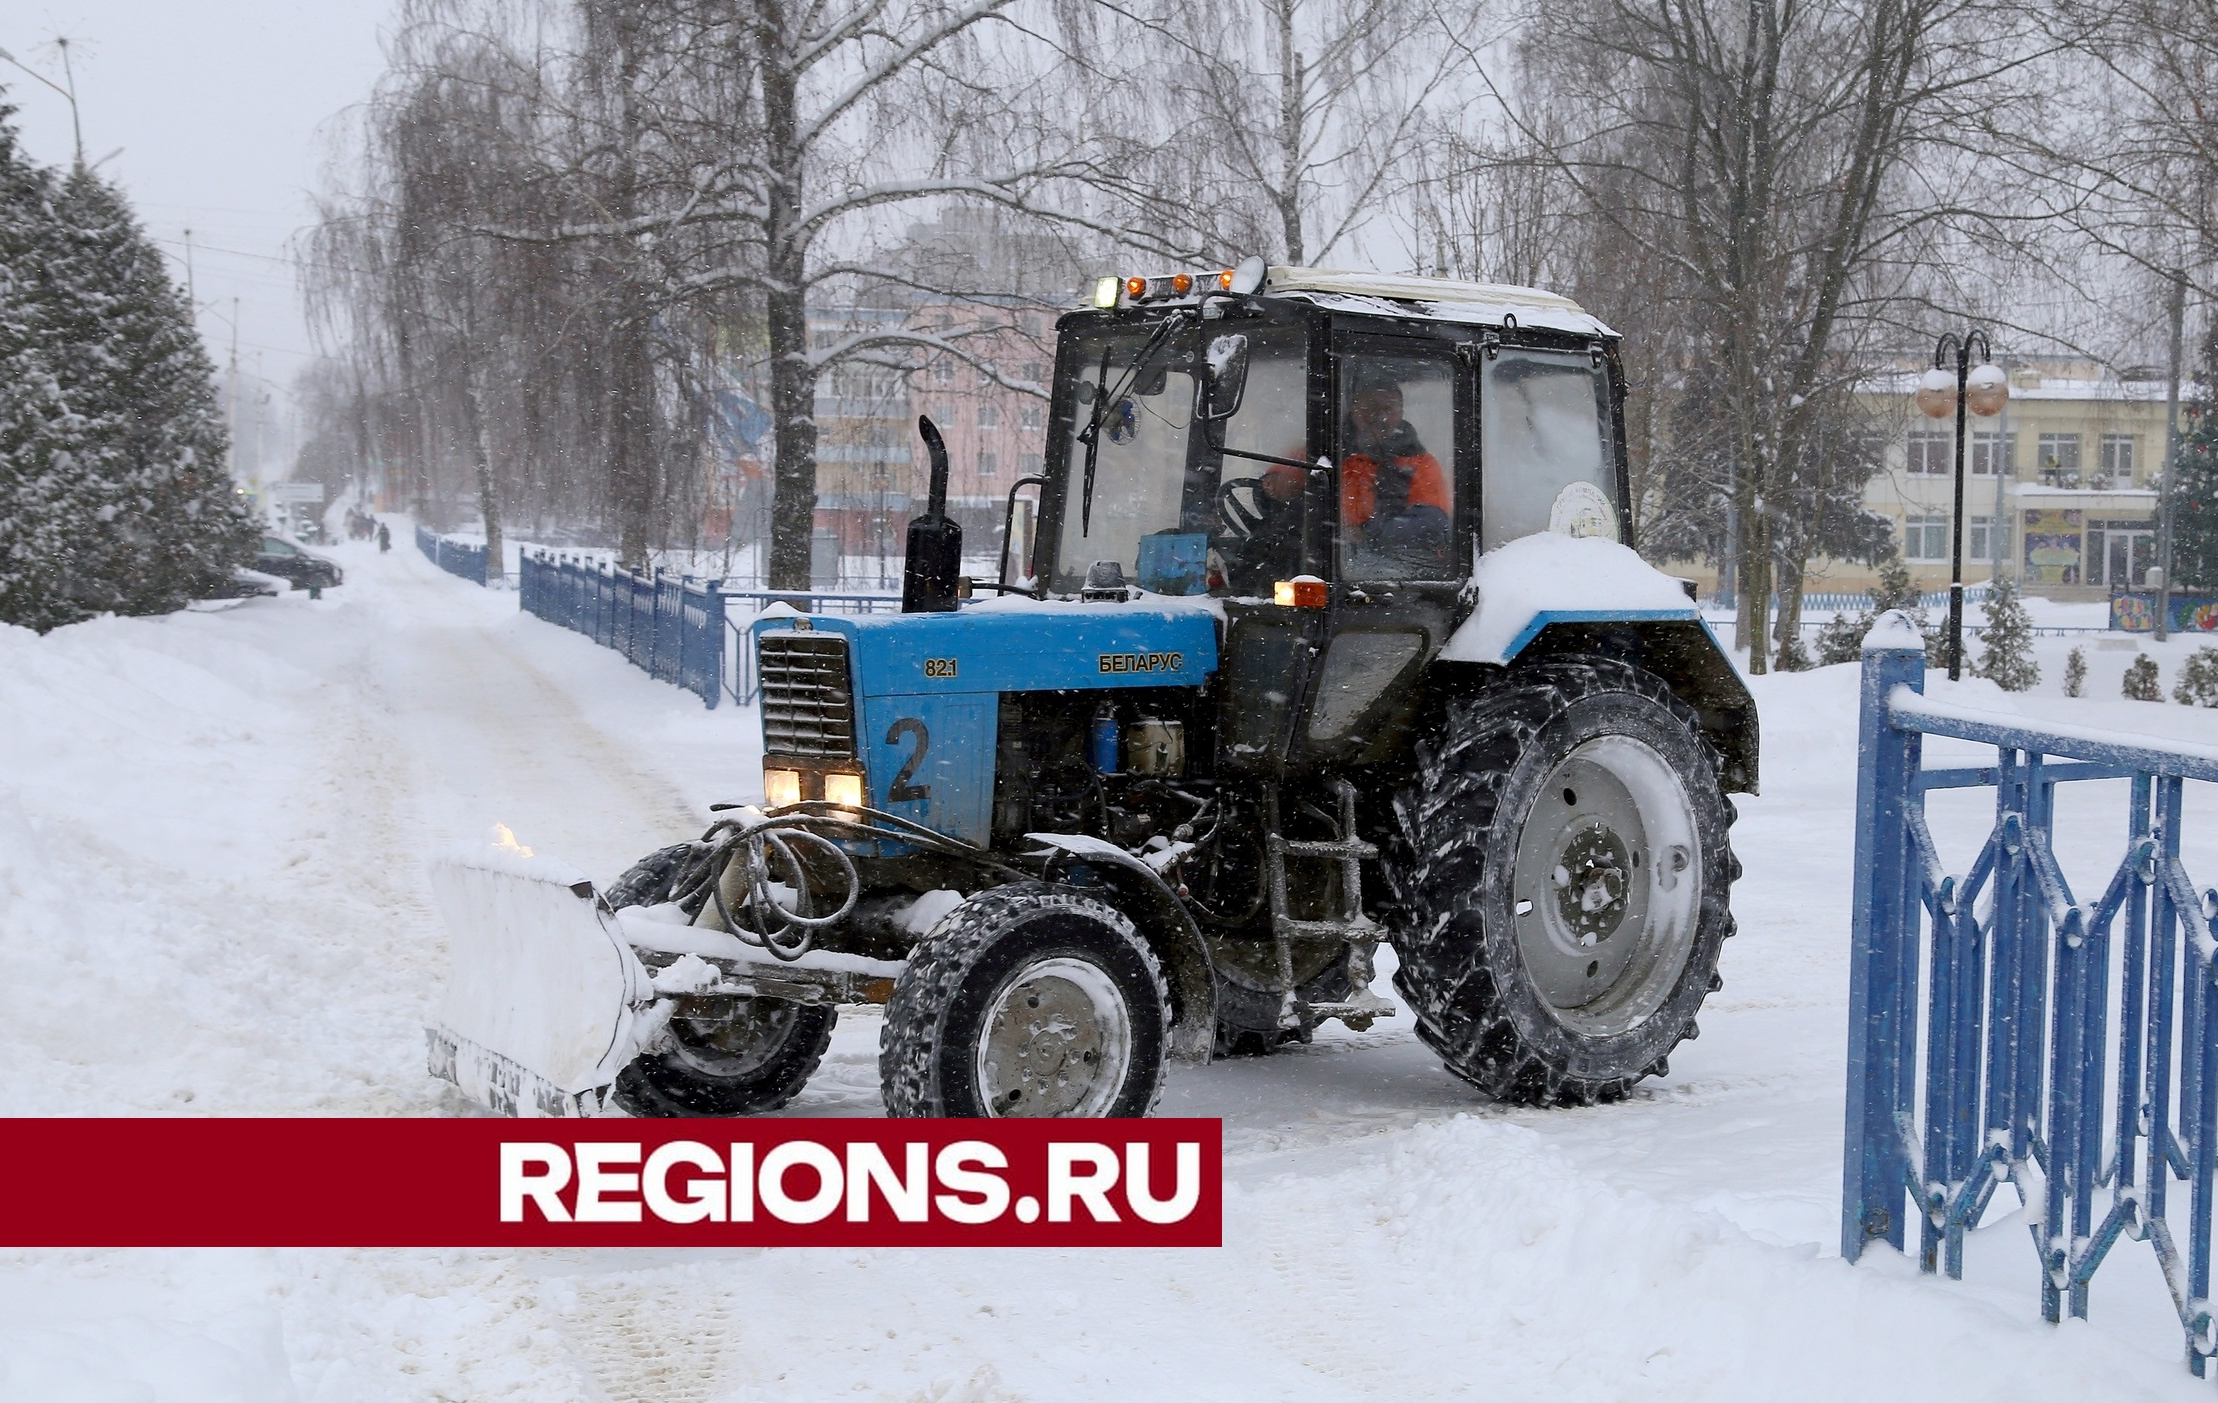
(1394, 495)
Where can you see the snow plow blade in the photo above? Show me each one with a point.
(544, 1002)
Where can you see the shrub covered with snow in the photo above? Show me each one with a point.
(113, 490)
(2198, 679)
(1792, 655)
(2075, 672)
(1842, 638)
(2141, 681)
(2008, 659)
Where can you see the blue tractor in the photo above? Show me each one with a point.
(1322, 629)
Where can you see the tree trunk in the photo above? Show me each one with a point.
(792, 377)
(1789, 625)
(1756, 593)
(793, 412)
(1288, 197)
(481, 461)
(632, 471)
(632, 465)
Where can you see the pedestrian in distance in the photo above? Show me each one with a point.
(384, 538)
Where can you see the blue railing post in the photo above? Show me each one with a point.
(1882, 1019)
(2021, 990)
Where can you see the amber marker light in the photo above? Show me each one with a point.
(1136, 288)
(1182, 283)
(780, 788)
(1224, 280)
(1301, 592)
(844, 790)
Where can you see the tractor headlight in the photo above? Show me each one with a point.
(780, 788)
(1105, 292)
(844, 790)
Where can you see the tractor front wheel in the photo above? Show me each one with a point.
(743, 1057)
(1027, 1000)
(1562, 867)
(745, 1063)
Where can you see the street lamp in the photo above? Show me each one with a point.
(69, 93)
(1984, 390)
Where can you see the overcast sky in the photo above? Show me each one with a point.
(216, 105)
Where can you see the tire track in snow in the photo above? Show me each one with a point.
(493, 734)
(658, 1337)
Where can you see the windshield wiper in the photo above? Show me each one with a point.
(1091, 434)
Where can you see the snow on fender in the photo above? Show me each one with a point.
(1547, 578)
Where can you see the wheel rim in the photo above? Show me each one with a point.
(1607, 885)
(738, 1047)
(1056, 1041)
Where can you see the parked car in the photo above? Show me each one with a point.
(248, 584)
(305, 569)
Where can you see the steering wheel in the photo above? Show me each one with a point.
(1241, 521)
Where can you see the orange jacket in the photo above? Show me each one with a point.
(1359, 476)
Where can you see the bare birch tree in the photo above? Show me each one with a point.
(1791, 162)
(1280, 127)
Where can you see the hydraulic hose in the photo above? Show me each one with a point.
(771, 847)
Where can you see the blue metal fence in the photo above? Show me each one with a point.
(455, 557)
(2066, 1047)
(1856, 601)
(669, 626)
(745, 682)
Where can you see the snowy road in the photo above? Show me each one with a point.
(213, 831)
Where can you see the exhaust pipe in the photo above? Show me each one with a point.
(935, 551)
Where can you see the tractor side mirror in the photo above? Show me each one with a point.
(1225, 377)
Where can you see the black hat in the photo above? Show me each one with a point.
(1371, 376)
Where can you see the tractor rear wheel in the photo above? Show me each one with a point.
(1563, 866)
(1027, 1000)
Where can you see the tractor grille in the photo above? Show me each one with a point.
(808, 708)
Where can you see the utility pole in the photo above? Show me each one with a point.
(261, 404)
(233, 390)
(2171, 452)
(191, 300)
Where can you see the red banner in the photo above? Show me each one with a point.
(611, 1183)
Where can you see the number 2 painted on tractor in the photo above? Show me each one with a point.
(901, 789)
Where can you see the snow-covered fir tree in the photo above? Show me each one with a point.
(1896, 590)
(113, 492)
(2198, 679)
(41, 505)
(2075, 672)
(2141, 681)
(2007, 660)
(1792, 656)
(1842, 638)
(2194, 486)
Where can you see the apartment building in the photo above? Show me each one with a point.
(866, 490)
(996, 431)
(2059, 487)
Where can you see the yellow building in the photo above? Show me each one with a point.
(2078, 446)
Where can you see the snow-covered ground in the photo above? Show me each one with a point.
(213, 833)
